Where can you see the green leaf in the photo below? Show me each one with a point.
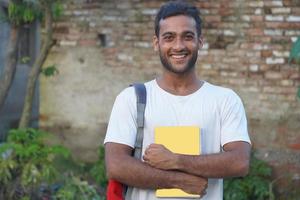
(4, 148)
(50, 71)
(26, 177)
(254, 186)
(25, 60)
(98, 170)
(25, 198)
(57, 10)
(295, 51)
(298, 93)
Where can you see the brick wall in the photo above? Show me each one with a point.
(246, 48)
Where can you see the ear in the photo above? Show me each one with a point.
(201, 42)
(155, 43)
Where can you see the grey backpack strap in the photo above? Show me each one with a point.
(141, 96)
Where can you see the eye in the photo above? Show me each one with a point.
(189, 37)
(168, 38)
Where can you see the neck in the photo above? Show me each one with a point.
(179, 84)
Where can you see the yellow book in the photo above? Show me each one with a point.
(178, 139)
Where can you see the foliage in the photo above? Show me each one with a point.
(255, 186)
(25, 60)
(50, 71)
(26, 11)
(295, 52)
(76, 189)
(26, 162)
(57, 10)
(98, 170)
(23, 12)
(295, 55)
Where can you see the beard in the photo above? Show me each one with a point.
(187, 68)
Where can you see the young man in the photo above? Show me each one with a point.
(178, 98)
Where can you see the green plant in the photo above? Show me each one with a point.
(76, 189)
(50, 71)
(295, 56)
(26, 11)
(98, 170)
(23, 12)
(295, 52)
(26, 162)
(254, 186)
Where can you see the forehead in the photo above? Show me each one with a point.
(177, 24)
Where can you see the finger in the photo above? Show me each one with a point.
(152, 145)
(202, 194)
(145, 158)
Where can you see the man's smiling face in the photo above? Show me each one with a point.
(178, 43)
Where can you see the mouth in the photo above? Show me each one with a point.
(179, 56)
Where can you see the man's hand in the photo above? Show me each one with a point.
(121, 166)
(193, 184)
(158, 156)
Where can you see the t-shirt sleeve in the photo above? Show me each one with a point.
(233, 120)
(122, 123)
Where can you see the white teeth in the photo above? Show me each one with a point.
(178, 56)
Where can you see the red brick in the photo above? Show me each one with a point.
(273, 75)
(266, 53)
(295, 76)
(212, 18)
(87, 42)
(282, 25)
(255, 32)
(296, 10)
(256, 18)
(62, 29)
(288, 3)
(207, 4)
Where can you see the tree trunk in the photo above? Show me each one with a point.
(10, 65)
(35, 70)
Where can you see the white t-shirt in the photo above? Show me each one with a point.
(217, 110)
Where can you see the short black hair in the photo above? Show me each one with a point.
(174, 8)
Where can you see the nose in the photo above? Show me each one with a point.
(179, 44)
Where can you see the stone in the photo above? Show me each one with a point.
(68, 43)
(272, 75)
(281, 10)
(271, 61)
(273, 18)
(253, 68)
(293, 19)
(273, 32)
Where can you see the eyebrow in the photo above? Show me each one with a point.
(173, 33)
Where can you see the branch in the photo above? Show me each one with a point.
(10, 63)
(35, 71)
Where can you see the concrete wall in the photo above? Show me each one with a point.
(102, 46)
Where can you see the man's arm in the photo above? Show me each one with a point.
(234, 161)
(121, 166)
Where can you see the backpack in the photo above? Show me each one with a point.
(116, 190)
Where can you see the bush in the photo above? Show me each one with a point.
(29, 169)
(26, 162)
(255, 186)
(98, 170)
(76, 189)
